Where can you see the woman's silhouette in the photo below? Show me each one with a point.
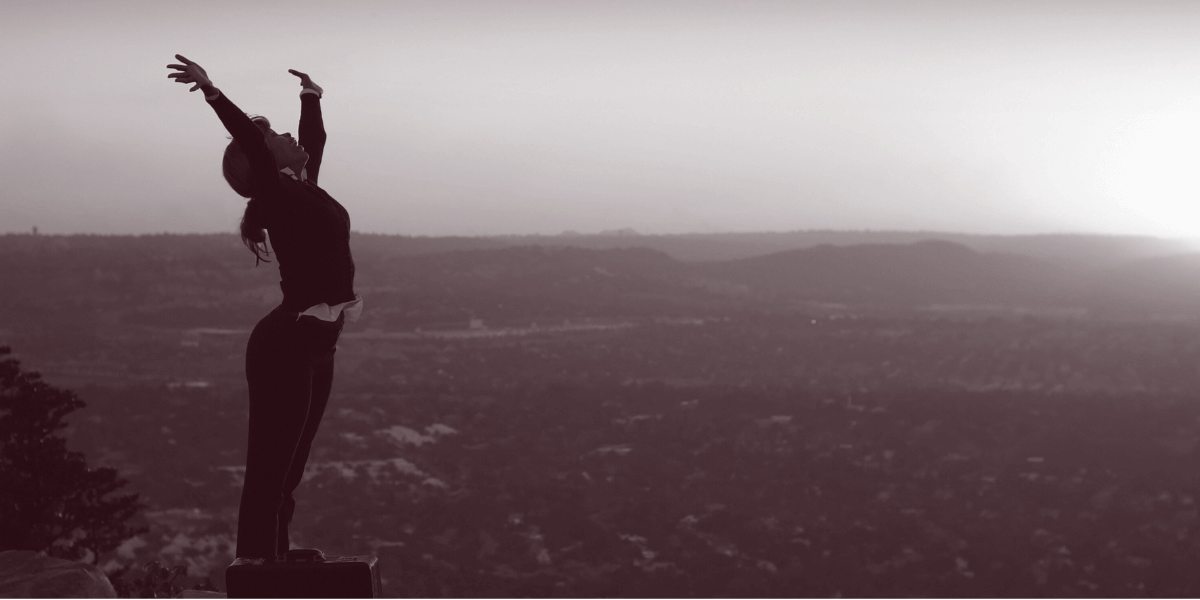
(289, 358)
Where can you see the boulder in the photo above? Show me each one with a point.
(27, 574)
(200, 594)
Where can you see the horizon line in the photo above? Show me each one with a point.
(631, 233)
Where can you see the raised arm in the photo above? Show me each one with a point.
(312, 126)
(249, 137)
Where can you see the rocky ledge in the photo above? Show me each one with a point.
(27, 574)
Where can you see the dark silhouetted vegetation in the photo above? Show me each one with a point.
(50, 499)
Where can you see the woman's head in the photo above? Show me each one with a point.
(286, 150)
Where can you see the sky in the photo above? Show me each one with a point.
(495, 117)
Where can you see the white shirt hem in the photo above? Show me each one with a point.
(325, 312)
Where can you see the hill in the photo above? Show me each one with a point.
(1075, 251)
(927, 272)
(210, 280)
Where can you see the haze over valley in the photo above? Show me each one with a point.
(809, 413)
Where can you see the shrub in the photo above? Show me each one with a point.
(51, 501)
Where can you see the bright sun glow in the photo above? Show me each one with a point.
(1151, 168)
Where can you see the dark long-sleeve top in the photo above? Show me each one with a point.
(309, 230)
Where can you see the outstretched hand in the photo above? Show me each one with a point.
(306, 82)
(189, 72)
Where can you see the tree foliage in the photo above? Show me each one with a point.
(50, 499)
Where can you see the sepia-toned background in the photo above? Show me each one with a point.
(662, 299)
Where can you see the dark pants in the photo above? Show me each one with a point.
(289, 366)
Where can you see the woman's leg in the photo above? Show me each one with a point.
(280, 380)
(322, 383)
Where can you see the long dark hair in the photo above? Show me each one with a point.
(236, 169)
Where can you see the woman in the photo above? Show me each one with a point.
(289, 358)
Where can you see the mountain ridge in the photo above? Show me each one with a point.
(209, 280)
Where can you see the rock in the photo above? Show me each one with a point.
(27, 574)
(200, 594)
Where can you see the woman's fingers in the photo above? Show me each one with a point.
(306, 81)
(304, 78)
(188, 73)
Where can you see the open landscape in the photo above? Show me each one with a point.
(660, 299)
(806, 414)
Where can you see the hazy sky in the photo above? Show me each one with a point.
(492, 117)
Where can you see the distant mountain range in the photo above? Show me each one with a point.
(1068, 250)
(210, 280)
(927, 272)
(1106, 274)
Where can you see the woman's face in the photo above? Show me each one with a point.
(288, 152)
